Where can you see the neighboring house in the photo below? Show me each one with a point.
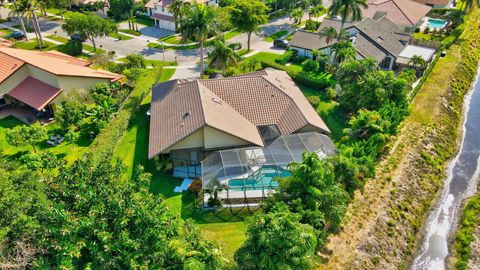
(190, 119)
(158, 11)
(436, 3)
(407, 14)
(377, 39)
(38, 79)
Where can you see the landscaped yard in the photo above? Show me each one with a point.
(120, 36)
(32, 44)
(66, 151)
(175, 39)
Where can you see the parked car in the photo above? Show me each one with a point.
(78, 37)
(15, 35)
(280, 43)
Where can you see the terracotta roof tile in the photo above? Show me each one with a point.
(34, 93)
(234, 105)
(8, 66)
(58, 63)
(402, 12)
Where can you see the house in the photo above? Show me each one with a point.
(378, 39)
(38, 79)
(191, 120)
(407, 14)
(158, 11)
(436, 3)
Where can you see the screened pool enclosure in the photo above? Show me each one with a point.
(251, 172)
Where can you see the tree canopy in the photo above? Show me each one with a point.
(248, 15)
(89, 25)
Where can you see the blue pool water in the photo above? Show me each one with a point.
(436, 23)
(264, 177)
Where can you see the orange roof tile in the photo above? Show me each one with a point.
(58, 63)
(8, 66)
(34, 93)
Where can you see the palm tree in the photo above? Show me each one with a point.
(347, 9)
(17, 11)
(329, 33)
(28, 8)
(222, 56)
(177, 8)
(198, 23)
(418, 63)
(343, 50)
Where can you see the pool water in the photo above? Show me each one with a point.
(436, 23)
(263, 178)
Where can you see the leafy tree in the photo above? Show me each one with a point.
(26, 135)
(198, 23)
(17, 10)
(99, 221)
(63, 5)
(313, 192)
(23, 204)
(347, 9)
(366, 88)
(248, 15)
(222, 56)
(121, 9)
(88, 25)
(44, 162)
(365, 124)
(315, 11)
(135, 60)
(277, 240)
(71, 113)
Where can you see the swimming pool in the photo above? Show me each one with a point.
(263, 178)
(436, 23)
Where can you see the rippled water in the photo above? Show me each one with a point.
(460, 183)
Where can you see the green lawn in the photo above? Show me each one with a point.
(421, 35)
(120, 36)
(131, 32)
(5, 31)
(175, 39)
(231, 34)
(33, 45)
(66, 151)
(276, 35)
(85, 46)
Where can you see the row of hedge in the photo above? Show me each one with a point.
(104, 144)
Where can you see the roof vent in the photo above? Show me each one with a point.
(216, 100)
(185, 115)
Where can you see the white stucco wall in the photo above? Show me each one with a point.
(12, 81)
(215, 138)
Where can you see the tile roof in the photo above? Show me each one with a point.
(9, 65)
(34, 93)
(162, 17)
(235, 105)
(335, 23)
(380, 36)
(308, 40)
(58, 63)
(402, 12)
(434, 2)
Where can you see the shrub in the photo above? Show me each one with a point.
(297, 59)
(72, 48)
(312, 25)
(331, 93)
(314, 101)
(417, 30)
(135, 61)
(286, 57)
(310, 65)
(235, 46)
(426, 30)
(195, 187)
(132, 74)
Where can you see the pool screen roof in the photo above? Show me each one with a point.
(242, 162)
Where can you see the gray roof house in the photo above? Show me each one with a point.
(379, 39)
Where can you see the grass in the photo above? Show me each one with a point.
(131, 32)
(32, 44)
(66, 151)
(86, 47)
(120, 36)
(242, 52)
(5, 32)
(231, 34)
(276, 35)
(175, 39)
(421, 35)
(143, 20)
(466, 232)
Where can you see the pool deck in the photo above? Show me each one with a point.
(425, 24)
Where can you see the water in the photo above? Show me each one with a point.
(460, 183)
(436, 24)
(263, 178)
